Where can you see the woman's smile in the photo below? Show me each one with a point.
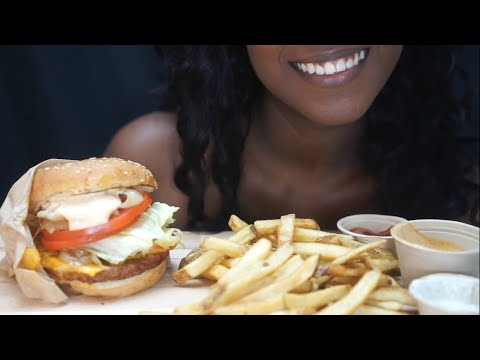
(332, 68)
(326, 85)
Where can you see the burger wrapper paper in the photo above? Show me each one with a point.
(16, 236)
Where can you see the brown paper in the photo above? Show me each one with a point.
(17, 236)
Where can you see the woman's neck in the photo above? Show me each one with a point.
(282, 133)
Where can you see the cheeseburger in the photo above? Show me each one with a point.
(96, 229)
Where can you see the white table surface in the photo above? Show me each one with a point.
(163, 297)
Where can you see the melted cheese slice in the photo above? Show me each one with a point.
(88, 210)
(53, 262)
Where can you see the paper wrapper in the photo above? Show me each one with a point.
(17, 237)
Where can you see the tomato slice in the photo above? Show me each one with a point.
(63, 239)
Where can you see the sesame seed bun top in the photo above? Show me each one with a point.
(86, 176)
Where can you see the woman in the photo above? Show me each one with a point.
(321, 131)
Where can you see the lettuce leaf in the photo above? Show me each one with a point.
(151, 228)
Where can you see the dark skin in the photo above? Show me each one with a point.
(301, 154)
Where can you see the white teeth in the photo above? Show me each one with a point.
(311, 68)
(319, 70)
(329, 68)
(355, 60)
(341, 66)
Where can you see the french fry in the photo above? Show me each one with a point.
(215, 272)
(281, 287)
(324, 250)
(191, 257)
(386, 281)
(285, 270)
(382, 264)
(397, 294)
(252, 308)
(197, 267)
(309, 235)
(350, 242)
(273, 239)
(378, 252)
(206, 304)
(288, 268)
(210, 257)
(330, 239)
(244, 236)
(236, 224)
(238, 294)
(354, 270)
(225, 247)
(281, 273)
(316, 299)
(354, 253)
(391, 305)
(269, 227)
(356, 297)
(153, 312)
(265, 268)
(342, 280)
(297, 311)
(189, 309)
(373, 310)
(306, 224)
(266, 227)
(305, 287)
(393, 282)
(257, 252)
(318, 282)
(229, 263)
(285, 229)
(234, 286)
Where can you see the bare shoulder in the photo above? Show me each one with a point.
(152, 140)
(144, 135)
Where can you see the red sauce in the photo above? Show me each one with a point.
(364, 231)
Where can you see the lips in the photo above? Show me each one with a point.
(332, 68)
(332, 63)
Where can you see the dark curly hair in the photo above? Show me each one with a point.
(412, 139)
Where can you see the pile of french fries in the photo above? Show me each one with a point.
(289, 266)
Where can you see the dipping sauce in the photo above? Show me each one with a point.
(364, 231)
(411, 234)
(446, 294)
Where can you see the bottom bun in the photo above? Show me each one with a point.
(125, 287)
